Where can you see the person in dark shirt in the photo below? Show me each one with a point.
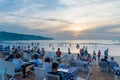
(105, 59)
(54, 70)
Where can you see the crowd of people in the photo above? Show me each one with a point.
(39, 57)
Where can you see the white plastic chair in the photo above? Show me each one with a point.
(2, 69)
(10, 69)
(39, 73)
(52, 77)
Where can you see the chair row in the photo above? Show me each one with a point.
(40, 74)
(107, 66)
(7, 68)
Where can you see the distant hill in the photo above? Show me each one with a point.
(16, 36)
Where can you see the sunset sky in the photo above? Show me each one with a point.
(62, 19)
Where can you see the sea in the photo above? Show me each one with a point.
(74, 45)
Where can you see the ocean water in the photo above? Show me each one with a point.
(53, 45)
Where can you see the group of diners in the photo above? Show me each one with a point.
(48, 64)
(39, 57)
(110, 65)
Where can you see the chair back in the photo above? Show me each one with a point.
(2, 70)
(52, 77)
(82, 66)
(10, 69)
(112, 65)
(2, 66)
(103, 64)
(39, 73)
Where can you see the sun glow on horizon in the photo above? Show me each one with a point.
(75, 30)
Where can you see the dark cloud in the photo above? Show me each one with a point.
(59, 20)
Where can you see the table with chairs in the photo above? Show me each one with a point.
(69, 73)
(26, 68)
(8, 68)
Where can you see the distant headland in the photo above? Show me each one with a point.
(15, 36)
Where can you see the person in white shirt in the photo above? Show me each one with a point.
(47, 66)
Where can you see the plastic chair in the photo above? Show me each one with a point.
(111, 66)
(2, 69)
(10, 69)
(39, 73)
(103, 66)
(52, 77)
(83, 66)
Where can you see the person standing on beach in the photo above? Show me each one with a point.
(77, 46)
(69, 51)
(106, 52)
(43, 52)
(69, 56)
(94, 55)
(99, 54)
(58, 53)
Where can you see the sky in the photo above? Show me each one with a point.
(62, 19)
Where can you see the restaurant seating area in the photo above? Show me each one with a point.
(71, 69)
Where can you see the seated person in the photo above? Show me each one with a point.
(47, 65)
(89, 59)
(105, 59)
(17, 62)
(114, 63)
(62, 64)
(54, 70)
(37, 61)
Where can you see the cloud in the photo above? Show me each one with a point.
(105, 32)
(61, 17)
